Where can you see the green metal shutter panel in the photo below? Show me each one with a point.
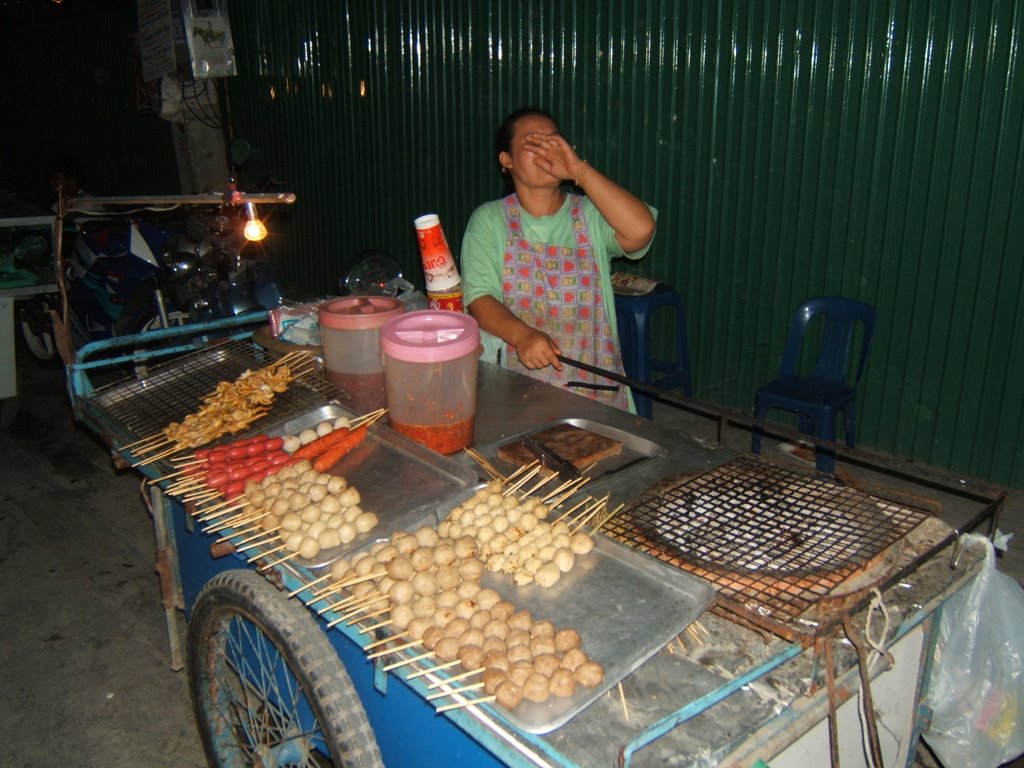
(869, 149)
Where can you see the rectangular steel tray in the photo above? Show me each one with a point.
(399, 480)
(636, 450)
(625, 605)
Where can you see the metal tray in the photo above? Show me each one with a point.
(636, 450)
(625, 605)
(399, 480)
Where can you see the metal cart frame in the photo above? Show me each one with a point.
(407, 726)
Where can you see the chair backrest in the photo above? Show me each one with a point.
(840, 318)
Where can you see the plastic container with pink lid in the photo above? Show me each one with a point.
(430, 370)
(350, 329)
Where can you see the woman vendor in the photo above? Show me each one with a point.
(536, 263)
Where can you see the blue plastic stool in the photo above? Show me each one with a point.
(635, 315)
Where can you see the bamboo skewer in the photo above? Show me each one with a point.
(371, 615)
(465, 703)
(455, 678)
(372, 627)
(389, 639)
(543, 481)
(268, 552)
(396, 649)
(484, 463)
(607, 517)
(584, 518)
(267, 566)
(251, 543)
(308, 584)
(522, 481)
(572, 509)
(428, 670)
(520, 470)
(410, 660)
(461, 689)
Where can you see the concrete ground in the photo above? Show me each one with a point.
(84, 661)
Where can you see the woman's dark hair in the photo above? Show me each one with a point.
(503, 139)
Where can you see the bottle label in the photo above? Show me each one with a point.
(450, 301)
(439, 268)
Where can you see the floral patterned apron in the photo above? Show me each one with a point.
(557, 290)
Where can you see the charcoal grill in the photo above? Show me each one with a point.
(778, 543)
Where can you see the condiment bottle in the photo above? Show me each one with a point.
(443, 282)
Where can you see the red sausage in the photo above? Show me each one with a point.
(237, 452)
(255, 448)
(217, 480)
(238, 471)
(234, 489)
(274, 444)
(217, 456)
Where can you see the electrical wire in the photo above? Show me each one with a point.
(207, 113)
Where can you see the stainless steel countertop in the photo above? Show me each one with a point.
(510, 403)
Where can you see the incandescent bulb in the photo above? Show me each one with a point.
(255, 230)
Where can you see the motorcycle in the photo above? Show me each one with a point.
(127, 274)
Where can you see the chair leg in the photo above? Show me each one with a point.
(825, 458)
(849, 424)
(758, 434)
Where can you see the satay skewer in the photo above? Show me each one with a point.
(436, 668)
(410, 660)
(286, 558)
(309, 584)
(256, 541)
(454, 691)
(572, 509)
(607, 517)
(455, 678)
(396, 649)
(378, 625)
(465, 703)
(383, 641)
(349, 619)
(521, 481)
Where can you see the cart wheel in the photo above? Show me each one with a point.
(37, 330)
(267, 687)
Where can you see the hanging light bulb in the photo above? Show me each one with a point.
(255, 230)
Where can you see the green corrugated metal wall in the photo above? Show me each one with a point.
(869, 149)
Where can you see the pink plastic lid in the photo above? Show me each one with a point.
(359, 312)
(430, 336)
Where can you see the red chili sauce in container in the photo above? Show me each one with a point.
(350, 329)
(430, 371)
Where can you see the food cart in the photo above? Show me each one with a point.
(716, 647)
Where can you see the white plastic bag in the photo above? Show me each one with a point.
(977, 691)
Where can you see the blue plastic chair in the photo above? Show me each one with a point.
(830, 389)
(635, 318)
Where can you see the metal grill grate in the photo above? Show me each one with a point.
(774, 541)
(175, 389)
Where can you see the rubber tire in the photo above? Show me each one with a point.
(42, 346)
(285, 626)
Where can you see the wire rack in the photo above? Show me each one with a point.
(774, 541)
(176, 388)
